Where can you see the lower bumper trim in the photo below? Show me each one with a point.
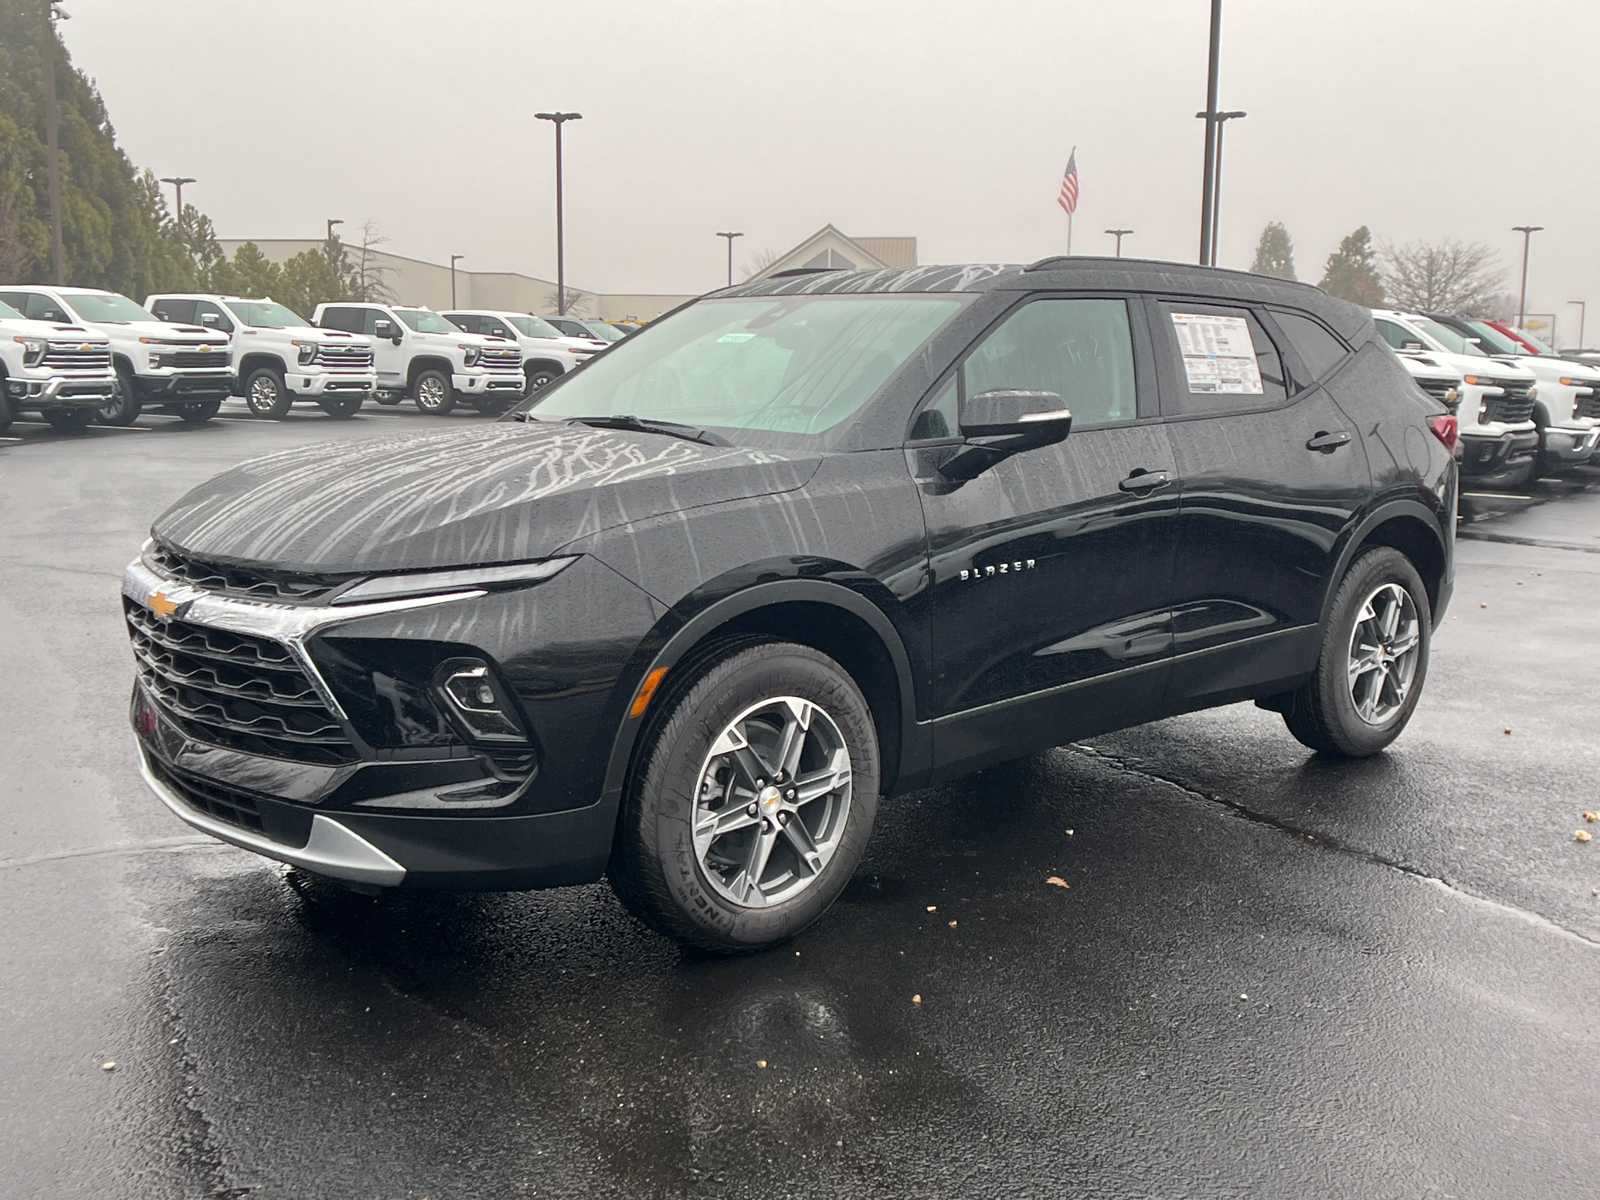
(332, 849)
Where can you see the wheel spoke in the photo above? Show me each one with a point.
(829, 779)
(712, 825)
(800, 838)
(746, 885)
(1391, 617)
(795, 728)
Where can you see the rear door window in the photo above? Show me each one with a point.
(1217, 359)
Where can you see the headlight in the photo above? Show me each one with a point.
(470, 354)
(33, 350)
(465, 579)
(308, 352)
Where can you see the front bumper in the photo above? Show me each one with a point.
(60, 392)
(321, 383)
(479, 383)
(187, 385)
(1495, 458)
(1570, 445)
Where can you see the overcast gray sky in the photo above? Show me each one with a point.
(1423, 119)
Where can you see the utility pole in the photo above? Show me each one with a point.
(332, 221)
(454, 259)
(730, 237)
(47, 50)
(1119, 234)
(560, 119)
(1583, 313)
(177, 181)
(1527, 232)
(1207, 175)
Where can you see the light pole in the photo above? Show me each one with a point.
(454, 259)
(1527, 232)
(332, 221)
(47, 54)
(1583, 313)
(1207, 175)
(1221, 119)
(177, 182)
(730, 237)
(559, 119)
(1119, 234)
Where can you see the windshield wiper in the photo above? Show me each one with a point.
(689, 433)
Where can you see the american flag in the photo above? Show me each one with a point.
(1068, 199)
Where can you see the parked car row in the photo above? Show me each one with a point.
(1524, 411)
(80, 355)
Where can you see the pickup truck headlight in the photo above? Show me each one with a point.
(33, 350)
(308, 352)
(470, 355)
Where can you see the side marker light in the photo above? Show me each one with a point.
(641, 701)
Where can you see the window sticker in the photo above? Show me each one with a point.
(1218, 355)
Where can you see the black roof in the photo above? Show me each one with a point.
(1075, 273)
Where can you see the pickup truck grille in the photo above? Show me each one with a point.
(234, 690)
(216, 357)
(276, 586)
(78, 356)
(1515, 405)
(1439, 389)
(345, 357)
(501, 360)
(1588, 406)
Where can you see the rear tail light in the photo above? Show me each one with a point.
(1444, 428)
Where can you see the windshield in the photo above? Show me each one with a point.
(606, 333)
(424, 321)
(1494, 341)
(106, 306)
(8, 313)
(1540, 346)
(1447, 337)
(776, 364)
(535, 327)
(266, 314)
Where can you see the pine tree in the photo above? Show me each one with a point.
(1352, 271)
(1274, 253)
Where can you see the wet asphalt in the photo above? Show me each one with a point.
(1269, 975)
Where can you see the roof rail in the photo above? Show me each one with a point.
(793, 271)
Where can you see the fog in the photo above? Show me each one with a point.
(950, 122)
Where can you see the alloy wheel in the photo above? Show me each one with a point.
(1384, 649)
(263, 394)
(772, 802)
(430, 393)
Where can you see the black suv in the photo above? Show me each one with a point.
(686, 615)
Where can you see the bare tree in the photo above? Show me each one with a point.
(1448, 276)
(577, 304)
(369, 278)
(758, 264)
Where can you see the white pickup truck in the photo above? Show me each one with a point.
(60, 371)
(278, 356)
(418, 353)
(547, 353)
(180, 369)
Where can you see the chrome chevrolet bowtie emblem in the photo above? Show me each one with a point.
(1014, 567)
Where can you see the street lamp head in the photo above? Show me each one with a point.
(558, 117)
(177, 179)
(730, 235)
(1525, 229)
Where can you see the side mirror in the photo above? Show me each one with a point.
(1006, 421)
(386, 329)
(209, 320)
(1414, 347)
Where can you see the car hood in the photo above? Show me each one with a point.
(22, 327)
(508, 492)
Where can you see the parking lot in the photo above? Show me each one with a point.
(1267, 974)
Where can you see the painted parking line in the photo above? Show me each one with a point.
(1495, 496)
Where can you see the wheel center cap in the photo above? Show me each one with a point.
(769, 799)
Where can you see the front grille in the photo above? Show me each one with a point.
(255, 584)
(73, 356)
(194, 358)
(1588, 406)
(345, 357)
(1439, 389)
(234, 690)
(225, 804)
(502, 360)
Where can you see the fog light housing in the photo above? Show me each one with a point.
(477, 703)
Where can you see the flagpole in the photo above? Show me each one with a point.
(1069, 235)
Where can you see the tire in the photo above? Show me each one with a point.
(266, 395)
(70, 420)
(1356, 714)
(199, 412)
(696, 888)
(340, 406)
(6, 414)
(537, 378)
(493, 406)
(432, 393)
(124, 406)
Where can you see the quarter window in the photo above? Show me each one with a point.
(1079, 349)
(938, 419)
(1319, 350)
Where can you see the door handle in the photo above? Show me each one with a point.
(1145, 481)
(1328, 442)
